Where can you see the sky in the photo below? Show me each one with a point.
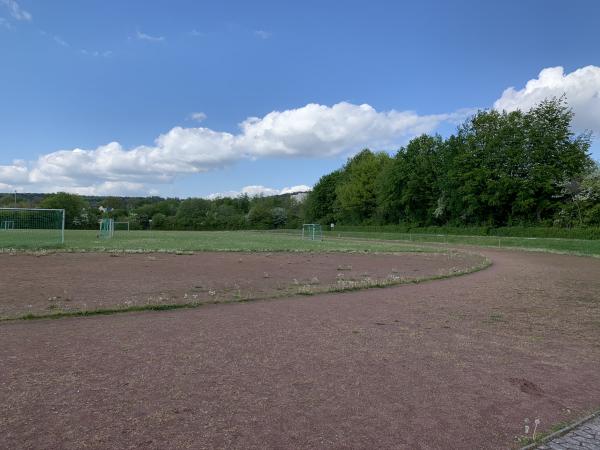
(197, 99)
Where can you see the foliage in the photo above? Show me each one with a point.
(321, 200)
(76, 208)
(499, 169)
(356, 200)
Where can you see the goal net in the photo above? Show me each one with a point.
(31, 227)
(121, 226)
(312, 231)
(107, 228)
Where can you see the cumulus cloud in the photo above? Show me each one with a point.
(258, 190)
(16, 11)
(580, 87)
(318, 130)
(310, 131)
(146, 37)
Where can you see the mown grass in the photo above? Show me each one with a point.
(555, 245)
(512, 231)
(183, 241)
(287, 240)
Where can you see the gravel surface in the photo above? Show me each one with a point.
(457, 363)
(86, 281)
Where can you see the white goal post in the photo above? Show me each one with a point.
(312, 231)
(31, 227)
(121, 226)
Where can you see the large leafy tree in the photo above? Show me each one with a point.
(356, 197)
(73, 204)
(321, 200)
(509, 167)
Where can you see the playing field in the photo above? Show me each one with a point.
(283, 343)
(171, 241)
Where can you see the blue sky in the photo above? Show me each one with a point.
(84, 74)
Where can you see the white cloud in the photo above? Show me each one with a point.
(15, 173)
(581, 88)
(195, 33)
(197, 116)
(16, 11)
(258, 190)
(262, 34)
(310, 131)
(293, 189)
(318, 130)
(146, 37)
(109, 188)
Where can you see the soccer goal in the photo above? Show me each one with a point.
(121, 226)
(31, 227)
(312, 231)
(107, 228)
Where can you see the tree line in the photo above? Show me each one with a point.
(498, 169)
(242, 212)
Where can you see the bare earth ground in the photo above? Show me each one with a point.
(457, 363)
(85, 281)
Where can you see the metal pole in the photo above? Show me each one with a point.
(62, 237)
(15, 199)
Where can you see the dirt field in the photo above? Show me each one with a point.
(87, 281)
(454, 364)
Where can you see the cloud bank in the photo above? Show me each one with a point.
(312, 131)
(581, 88)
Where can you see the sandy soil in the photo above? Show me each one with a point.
(458, 363)
(85, 281)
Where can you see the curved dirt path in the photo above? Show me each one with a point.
(457, 363)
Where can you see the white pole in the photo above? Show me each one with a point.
(62, 234)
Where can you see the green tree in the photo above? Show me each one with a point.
(260, 216)
(321, 200)
(73, 204)
(194, 214)
(278, 217)
(408, 189)
(159, 221)
(355, 191)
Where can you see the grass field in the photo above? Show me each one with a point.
(20, 238)
(285, 240)
(568, 246)
(182, 241)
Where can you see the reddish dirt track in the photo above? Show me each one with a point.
(452, 364)
(57, 282)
